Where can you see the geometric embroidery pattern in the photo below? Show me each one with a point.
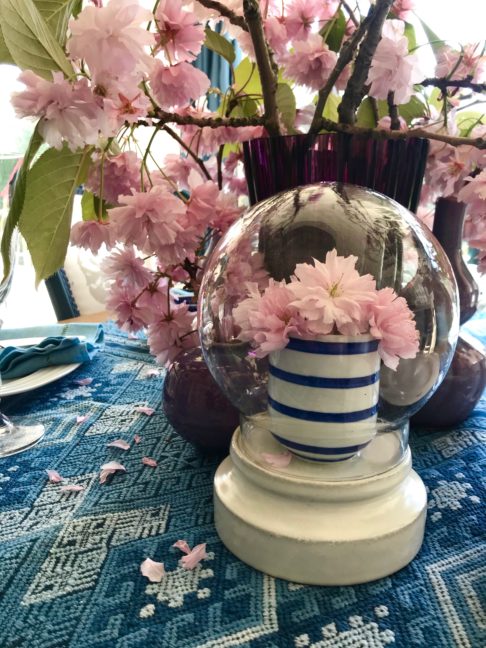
(70, 561)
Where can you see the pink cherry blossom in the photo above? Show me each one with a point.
(124, 265)
(120, 301)
(225, 211)
(267, 320)
(183, 546)
(393, 69)
(385, 123)
(81, 419)
(149, 220)
(152, 570)
(137, 438)
(470, 61)
(121, 174)
(447, 172)
(143, 409)
(72, 488)
(179, 37)
(91, 235)
(391, 322)
(53, 476)
(332, 295)
(177, 85)
(178, 168)
(403, 9)
(474, 194)
(84, 381)
(68, 112)
(200, 209)
(169, 334)
(127, 104)
(194, 557)
(148, 461)
(276, 33)
(302, 14)
(110, 468)
(112, 39)
(311, 62)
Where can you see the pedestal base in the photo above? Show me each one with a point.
(314, 531)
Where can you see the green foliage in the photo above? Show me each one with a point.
(46, 215)
(29, 39)
(5, 56)
(220, 45)
(411, 110)
(467, 120)
(365, 117)
(331, 108)
(17, 201)
(334, 36)
(410, 34)
(92, 207)
(56, 13)
(247, 79)
(286, 105)
(435, 42)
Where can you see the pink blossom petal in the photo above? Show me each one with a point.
(72, 488)
(152, 570)
(119, 443)
(84, 381)
(137, 438)
(109, 469)
(152, 373)
(183, 546)
(82, 419)
(149, 462)
(194, 558)
(54, 476)
(280, 460)
(145, 410)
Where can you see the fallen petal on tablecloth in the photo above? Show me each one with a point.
(194, 558)
(152, 570)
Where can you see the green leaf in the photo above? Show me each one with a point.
(466, 120)
(410, 34)
(336, 34)
(247, 78)
(17, 202)
(411, 110)
(46, 217)
(436, 43)
(5, 56)
(56, 13)
(220, 45)
(331, 108)
(29, 39)
(286, 105)
(87, 206)
(249, 107)
(365, 116)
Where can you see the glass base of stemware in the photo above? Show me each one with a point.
(17, 438)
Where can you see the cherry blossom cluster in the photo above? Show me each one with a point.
(160, 216)
(324, 298)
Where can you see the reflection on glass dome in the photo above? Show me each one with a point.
(297, 227)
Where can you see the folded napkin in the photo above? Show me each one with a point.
(55, 349)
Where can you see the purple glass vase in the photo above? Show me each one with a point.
(465, 380)
(392, 167)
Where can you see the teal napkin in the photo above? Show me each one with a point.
(55, 348)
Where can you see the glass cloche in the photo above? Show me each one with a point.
(285, 406)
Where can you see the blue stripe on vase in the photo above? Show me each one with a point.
(320, 460)
(329, 383)
(320, 450)
(323, 417)
(332, 348)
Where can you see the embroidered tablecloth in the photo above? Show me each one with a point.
(70, 561)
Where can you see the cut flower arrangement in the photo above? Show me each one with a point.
(327, 298)
(98, 73)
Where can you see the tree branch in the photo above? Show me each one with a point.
(354, 92)
(187, 148)
(382, 134)
(393, 111)
(443, 84)
(350, 13)
(234, 19)
(211, 122)
(347, 52)
(251, 9)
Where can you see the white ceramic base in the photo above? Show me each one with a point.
(312, 530)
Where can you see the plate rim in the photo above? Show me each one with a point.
(7, 388)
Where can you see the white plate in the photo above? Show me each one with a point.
(39, 378)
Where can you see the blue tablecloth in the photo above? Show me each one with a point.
(69, 562)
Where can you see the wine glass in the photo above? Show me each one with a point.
(16, 438)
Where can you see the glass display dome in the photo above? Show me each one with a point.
(296, 227)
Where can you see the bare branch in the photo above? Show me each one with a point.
(234, 19)
(393, 111)
(382, 134)
(187, 148)
(443, 84)
(268, 77)
(211, 122)
(347, 52)
(350, 12)
(354, 92)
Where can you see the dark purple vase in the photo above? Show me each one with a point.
(392, 167)
(466, 379)
(195, 405)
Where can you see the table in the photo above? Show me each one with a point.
(69, 562)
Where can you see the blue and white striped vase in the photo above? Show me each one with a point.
(323, 395)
